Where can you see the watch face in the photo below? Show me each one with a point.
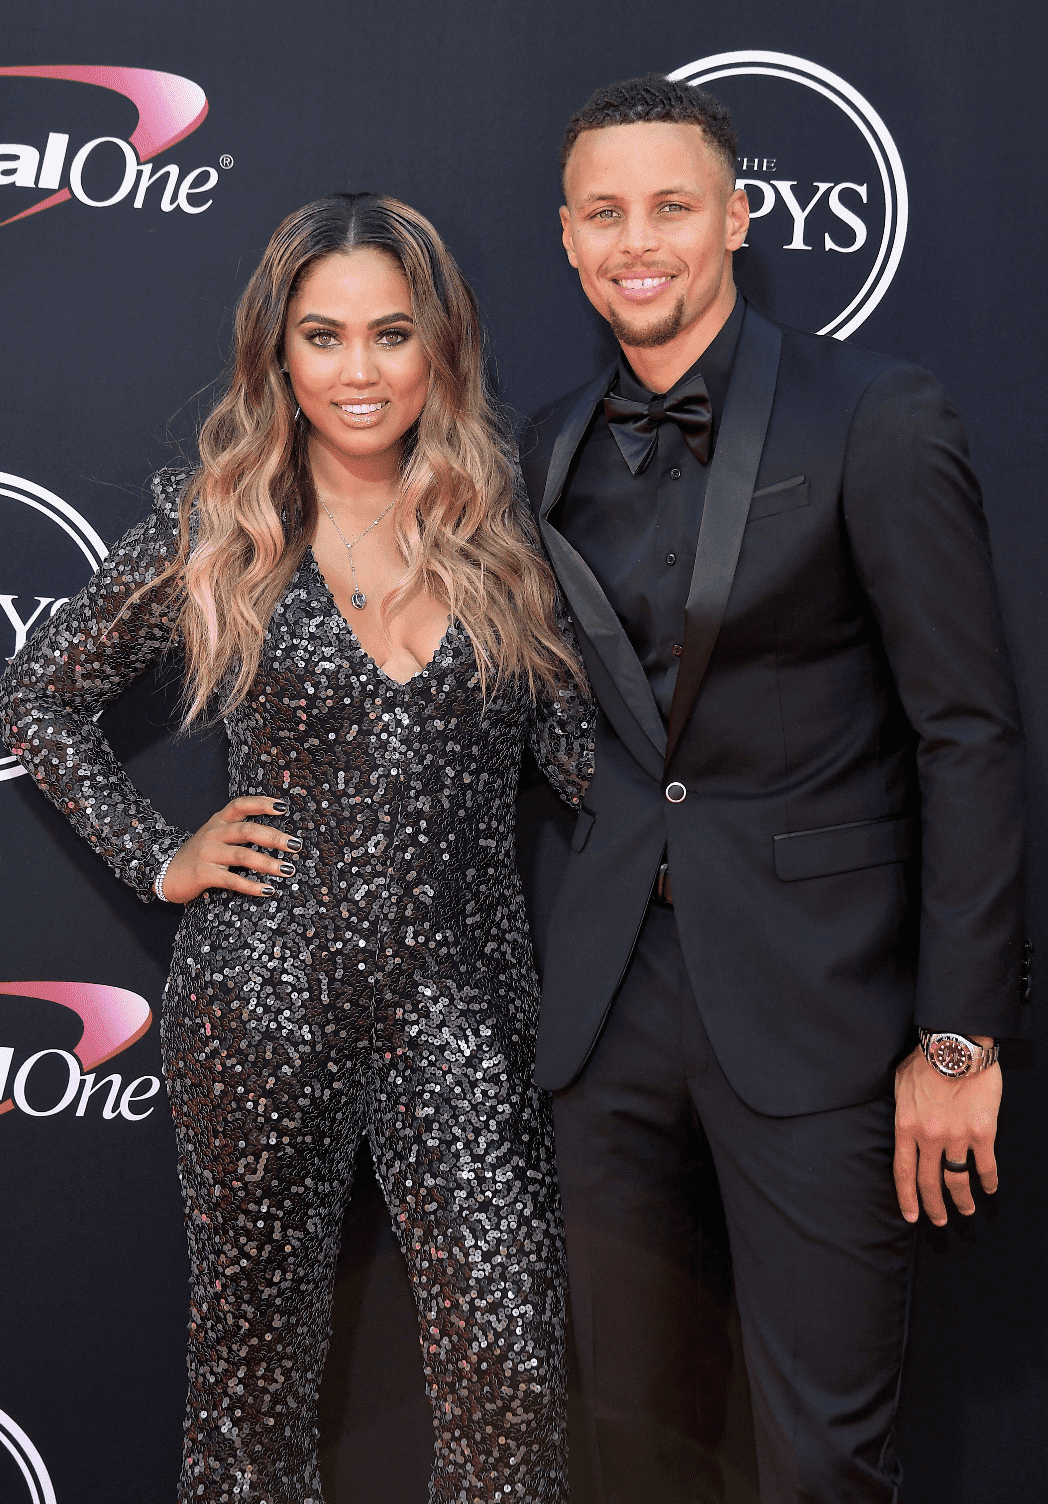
(952, 1055)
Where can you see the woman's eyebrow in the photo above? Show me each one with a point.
(329, 323)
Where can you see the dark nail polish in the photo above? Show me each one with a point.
(287, 869)
(294, 843)
(281, 807)
(268, 889)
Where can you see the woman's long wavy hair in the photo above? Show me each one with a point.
(249, 512)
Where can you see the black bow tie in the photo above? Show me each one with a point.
(636, 424)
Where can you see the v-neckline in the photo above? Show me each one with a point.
(360, 648)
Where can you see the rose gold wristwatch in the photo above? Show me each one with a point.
(956, 1054)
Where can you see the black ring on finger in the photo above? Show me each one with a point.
(956, 1166)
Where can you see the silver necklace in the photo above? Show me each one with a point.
(358, 598)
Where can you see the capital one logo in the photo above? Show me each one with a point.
(827, 190)
(49, 551)
(49, 1081)
(28, 1461)
(108, 170)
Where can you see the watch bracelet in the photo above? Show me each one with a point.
(987, 1055)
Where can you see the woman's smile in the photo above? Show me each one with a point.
(362, 414)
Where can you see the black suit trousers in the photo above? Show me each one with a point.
(820, 1252)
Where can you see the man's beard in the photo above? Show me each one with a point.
(648, 337)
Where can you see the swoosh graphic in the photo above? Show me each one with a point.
(113, 1017)
(169, 108)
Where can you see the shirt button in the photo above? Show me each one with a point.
(676, 792)
(678, 649)
(675, 475)
(671, 558)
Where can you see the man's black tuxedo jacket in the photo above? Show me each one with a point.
(847, 859)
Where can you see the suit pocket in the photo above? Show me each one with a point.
(844, 848)
(583, 826)
(783, 496)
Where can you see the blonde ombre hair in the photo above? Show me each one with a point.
(249, 512)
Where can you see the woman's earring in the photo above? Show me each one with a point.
(298, 410)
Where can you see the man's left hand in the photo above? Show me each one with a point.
(936, 1116)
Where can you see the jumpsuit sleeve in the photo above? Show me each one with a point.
(55, 689)
(561, 730)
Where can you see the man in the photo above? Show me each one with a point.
(803, 838)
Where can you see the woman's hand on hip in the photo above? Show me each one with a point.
(224, 842)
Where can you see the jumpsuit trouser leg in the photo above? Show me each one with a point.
(268, 1122)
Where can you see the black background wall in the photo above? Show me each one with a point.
(116, 320)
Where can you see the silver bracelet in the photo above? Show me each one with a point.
(158, 881)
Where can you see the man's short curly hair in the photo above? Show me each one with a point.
(654, 97)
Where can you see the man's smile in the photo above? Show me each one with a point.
(640, 289)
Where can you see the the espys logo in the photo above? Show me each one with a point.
(29, 1461)
(823, 177)
(48, 1081)
(50, 551)
(106, 170)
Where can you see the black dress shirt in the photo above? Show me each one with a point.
(638, 534)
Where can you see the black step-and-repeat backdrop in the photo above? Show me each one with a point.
(892, 155)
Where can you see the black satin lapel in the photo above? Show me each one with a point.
(644, 734)
(733, 472)
(570, 437)
(590, 605)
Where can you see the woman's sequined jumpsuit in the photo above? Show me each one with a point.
(386, 990)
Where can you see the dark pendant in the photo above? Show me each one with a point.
(359, 599)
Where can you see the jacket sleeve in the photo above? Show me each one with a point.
(64, 677)
(920, 545)
(561, 731)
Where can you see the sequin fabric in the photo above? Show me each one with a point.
(386, 991)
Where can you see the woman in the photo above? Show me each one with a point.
(355, 590)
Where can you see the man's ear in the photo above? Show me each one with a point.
(566, 236)
(738, 214)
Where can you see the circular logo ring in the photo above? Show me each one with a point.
(866, 119)
(71, 522)
(29, 1460)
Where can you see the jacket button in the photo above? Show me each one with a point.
(676, 792)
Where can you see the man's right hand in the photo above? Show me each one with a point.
(205, 859)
